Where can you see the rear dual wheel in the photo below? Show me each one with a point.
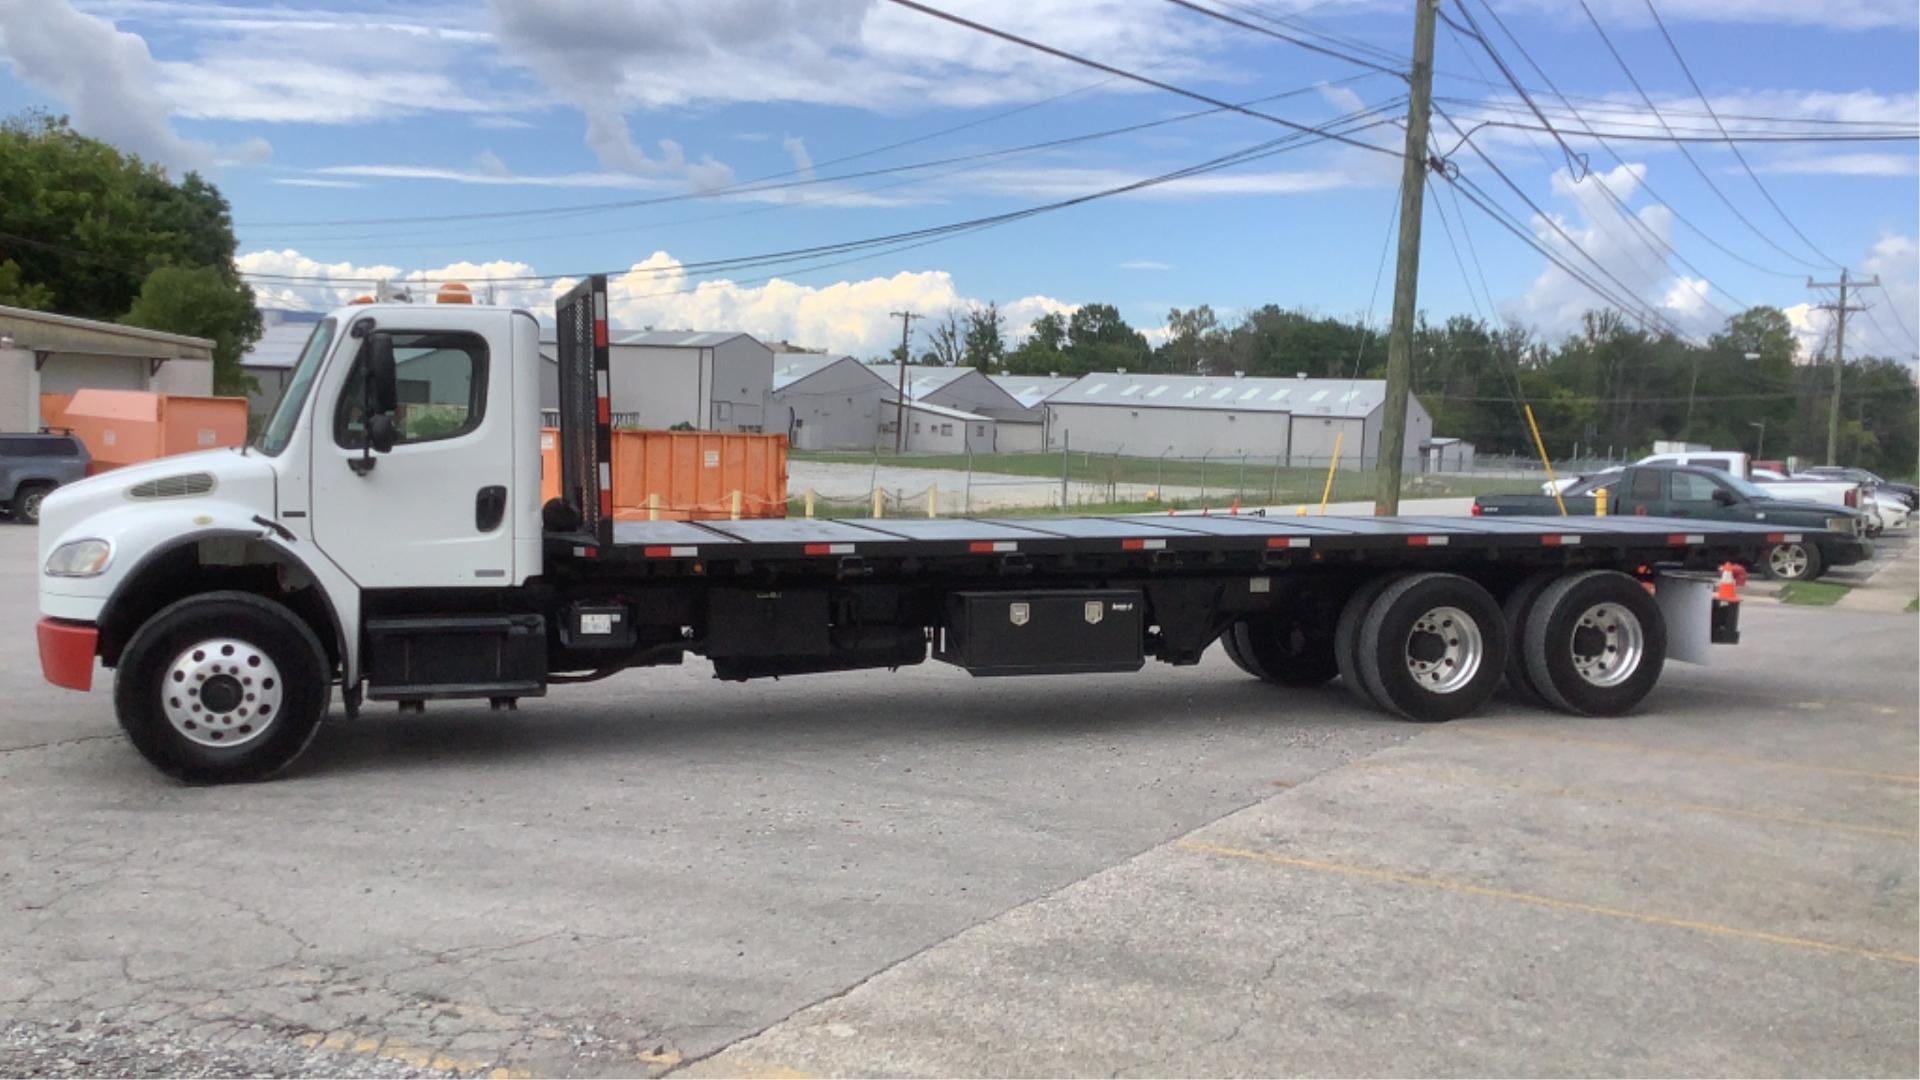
(1594, 643)
(1286, 650)
(1427, 647)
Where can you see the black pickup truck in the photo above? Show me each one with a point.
(1814, 537)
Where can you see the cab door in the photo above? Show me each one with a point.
(1699, 495)
(434, 510)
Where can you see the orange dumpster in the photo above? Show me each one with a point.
(685, 475)
(122, 427)
(53, 410)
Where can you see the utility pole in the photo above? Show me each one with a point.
(900, 404)
(1840, 311)
(1406, 273)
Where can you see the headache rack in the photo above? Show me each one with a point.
(586, 417)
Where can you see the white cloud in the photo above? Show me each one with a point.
(845, 316)
(796, 148)
(1342, 98)
(1059, 182)
(487, 175)
(1826, 14)
(1145, 264)
(314, 182)
(101, 76)
(1630, 263)
(1854, 164)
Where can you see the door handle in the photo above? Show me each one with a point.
(489, 507)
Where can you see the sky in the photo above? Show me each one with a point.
(496, 141)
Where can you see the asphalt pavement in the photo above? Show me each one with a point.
(1178, 872)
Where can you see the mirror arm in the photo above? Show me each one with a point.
(364, 464)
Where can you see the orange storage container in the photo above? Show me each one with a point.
(122, 427)
(53, 410)
(693, 474)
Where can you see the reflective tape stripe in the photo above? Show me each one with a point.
(672, 552)
(606, 475)
(828, 549)
(1142, 545)
(1687, 538)
(1427, 541)
(988, 547)
(1289, 541)
(1557, 539)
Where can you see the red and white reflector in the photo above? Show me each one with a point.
(828, 549)
(1142, 545)
(991, 547)
(600, 319)
(1557, 539)
(1426, 541)
(1678, 539)
(1289, 541)
(665, 552)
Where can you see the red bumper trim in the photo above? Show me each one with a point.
(66, 652)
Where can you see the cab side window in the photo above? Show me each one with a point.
(1646, 485)
(1693, 487)
(441, 377)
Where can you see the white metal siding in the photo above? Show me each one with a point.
(1151, 432)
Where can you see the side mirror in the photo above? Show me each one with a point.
(1724, 497)
(383, 388)
(381, 433)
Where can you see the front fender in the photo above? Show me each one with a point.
(143, 534)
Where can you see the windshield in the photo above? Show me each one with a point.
(279, 429)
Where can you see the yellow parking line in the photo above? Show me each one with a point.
(1704, 755)
(1535, 900)
(1454, 776)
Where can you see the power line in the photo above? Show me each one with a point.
(1893, 309)
(1633, 221)
(1097, 65)
(1644, 96)
(1308, 45)
(1731, 145)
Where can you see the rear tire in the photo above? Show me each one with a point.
(1595, 643)
(1231, 647)
(1433, 647)
(1518, 605)
(26, 502)
(1796, 561)
(221, 688)
(1346, 636)
(1285, 650)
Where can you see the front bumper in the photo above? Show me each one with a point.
(66, 652)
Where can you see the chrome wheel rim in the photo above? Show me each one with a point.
(1607, 644)
(222, 692)
(1444, 650)
(30, 506)
(1788, 560)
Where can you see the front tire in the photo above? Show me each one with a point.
(1596, 643)
(222, 688)
(1796, 561)
(1433, 647)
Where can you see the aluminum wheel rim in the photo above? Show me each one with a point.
(1457, 658)
(1788, 560)
(222, 692)
(1607, 644)
(30, 506)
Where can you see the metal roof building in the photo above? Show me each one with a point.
(44, 353)
(1296, 420)
(828, 402)
(711, 380)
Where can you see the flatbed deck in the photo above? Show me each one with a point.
(785, 538)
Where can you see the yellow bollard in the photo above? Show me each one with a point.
(736, 504)
(1327, 492)
(1541, 446)
(809, 502)
(933, 500)
(1600, 502)
(653, 506)
(1300, 511)
(879, 503)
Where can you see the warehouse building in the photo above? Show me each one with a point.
(707, 380)
(1298, 420)
(270, 361)
(57, 355)
(828, 402)
(1029, 432)
(936, 429)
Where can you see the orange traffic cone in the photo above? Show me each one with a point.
(1728, 591)
(1236, 506)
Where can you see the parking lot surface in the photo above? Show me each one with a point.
(1180, 872)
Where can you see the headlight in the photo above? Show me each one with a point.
(80, 558)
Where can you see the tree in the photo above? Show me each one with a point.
(985, 345)
(89, 227)
(948, 339)
(1040, 353)
(1195, 340)
(200, 302)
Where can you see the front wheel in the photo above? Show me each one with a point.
(1797, 560)
(26, 503)
(222, 688)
